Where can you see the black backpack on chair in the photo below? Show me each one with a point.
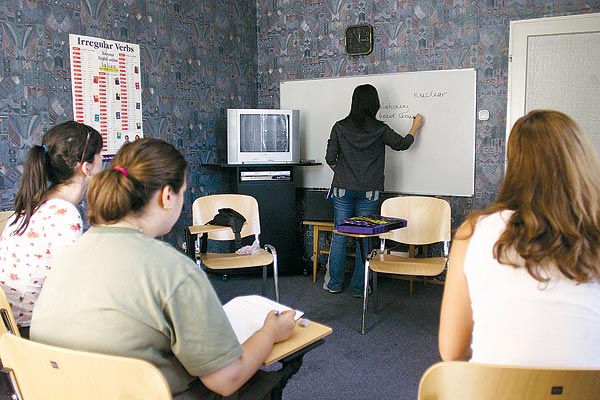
(227, 217)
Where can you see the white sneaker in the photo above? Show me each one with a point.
(326, 287)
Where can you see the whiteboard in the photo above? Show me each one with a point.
(554, 63)
(442, 159)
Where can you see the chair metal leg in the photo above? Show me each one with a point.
(264, 281)
(375, 295)
(272, 250)
(363, 328)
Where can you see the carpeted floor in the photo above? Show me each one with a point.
(386, 363)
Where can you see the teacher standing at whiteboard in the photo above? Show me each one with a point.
(356, 154)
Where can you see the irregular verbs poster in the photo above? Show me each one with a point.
(107, 93)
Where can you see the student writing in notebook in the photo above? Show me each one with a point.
(120, 291)
(356, 154)
(523, 284)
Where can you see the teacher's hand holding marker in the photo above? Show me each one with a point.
(356, 154)
(418, 121)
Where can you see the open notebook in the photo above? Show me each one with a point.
(247, 314)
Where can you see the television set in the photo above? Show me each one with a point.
(263, 136)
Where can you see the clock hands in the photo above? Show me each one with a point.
(359, 39)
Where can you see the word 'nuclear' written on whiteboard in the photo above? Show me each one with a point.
(442, 159)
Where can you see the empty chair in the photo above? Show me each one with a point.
(203, 211)
(469, 381)
(429, 222)
(39, 371)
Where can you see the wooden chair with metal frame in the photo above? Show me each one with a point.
(9, 324)
(4, 216)
(469, 381)
(206, 207)
(429, 222)
(40, 371)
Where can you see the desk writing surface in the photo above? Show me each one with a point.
(358, 235)
(301, 337)
(200, 229)
(321, 224)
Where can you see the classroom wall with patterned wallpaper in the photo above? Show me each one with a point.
(199, 58)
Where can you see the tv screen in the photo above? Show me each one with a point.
(263, 136)
(264, 133)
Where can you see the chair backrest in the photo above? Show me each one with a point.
(469, 381)
(204, 209)
(8, 320)
(429, 219)
(4, 216)
(52, 373)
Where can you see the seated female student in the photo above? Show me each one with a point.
(46, 216)
(120, 291)
(523, 284)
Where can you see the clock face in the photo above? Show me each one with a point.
(359, 39)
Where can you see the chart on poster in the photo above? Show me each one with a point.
(106, 86)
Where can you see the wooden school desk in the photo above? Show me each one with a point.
(292, 351)
(318, 227)
(301, 338)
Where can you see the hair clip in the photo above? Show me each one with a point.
(45, 148)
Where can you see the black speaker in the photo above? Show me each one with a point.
(318, 208)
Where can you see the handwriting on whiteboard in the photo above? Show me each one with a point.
(390, 110)
(431, 93)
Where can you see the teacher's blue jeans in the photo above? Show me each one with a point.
(346, 204)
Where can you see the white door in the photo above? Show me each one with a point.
(554, 63)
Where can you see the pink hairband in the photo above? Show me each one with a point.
(122, 170)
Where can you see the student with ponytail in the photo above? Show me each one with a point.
(55, 177)
(120, 291)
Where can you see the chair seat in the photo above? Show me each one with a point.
(392, 264)
(221, 261)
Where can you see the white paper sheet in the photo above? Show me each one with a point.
(247, 314)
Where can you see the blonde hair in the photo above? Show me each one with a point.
(138, 170)
(552, 184)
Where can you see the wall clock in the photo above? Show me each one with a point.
(359, 39)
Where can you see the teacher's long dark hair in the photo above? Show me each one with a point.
(365, 104)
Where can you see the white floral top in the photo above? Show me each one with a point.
(25, 259)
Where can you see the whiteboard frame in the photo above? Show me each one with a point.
(520, 31)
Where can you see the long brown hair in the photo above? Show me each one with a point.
(143, 167)
(552, 184)
(54, 161)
